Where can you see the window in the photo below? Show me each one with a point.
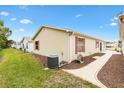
(79, 45)
(97, 44)
(37, 45)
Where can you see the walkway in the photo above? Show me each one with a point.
(90, 71)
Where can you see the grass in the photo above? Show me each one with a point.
(21, 70)
(64, 80)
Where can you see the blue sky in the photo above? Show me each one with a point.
(96, 21)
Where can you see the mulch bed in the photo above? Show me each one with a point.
(41, 59)
(87, 60)
(112, 73)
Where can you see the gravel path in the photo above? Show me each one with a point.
(112, 73)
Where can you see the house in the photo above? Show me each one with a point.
(26, 44)
(111, 45)
(16, 45)
(65, 43)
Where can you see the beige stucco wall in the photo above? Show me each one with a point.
(72, 48)
(90, 47)
(53, 42)
(121, 30)
(103, 46)
(58, 42)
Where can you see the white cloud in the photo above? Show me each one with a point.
(78, 15)
(25, 21)
(113, 24)
(114, 19)
(25, 7)
(4, 13)
(19, 30)
(13, 19)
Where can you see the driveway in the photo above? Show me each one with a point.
(90, 71)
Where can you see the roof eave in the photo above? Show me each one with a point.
(50, 27)
(64, 30)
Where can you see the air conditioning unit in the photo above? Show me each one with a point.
(80, 58)
(53, 61)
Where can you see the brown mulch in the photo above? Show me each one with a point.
(87, 60)
(112, 73)
(41, 59)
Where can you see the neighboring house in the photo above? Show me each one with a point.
(26, 44)
(65, 43)
(16, 45)
(111, 45)
(121, 30)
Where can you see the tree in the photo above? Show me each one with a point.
(4, 34)
(1, 23)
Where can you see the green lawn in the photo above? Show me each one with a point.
(18, 69)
